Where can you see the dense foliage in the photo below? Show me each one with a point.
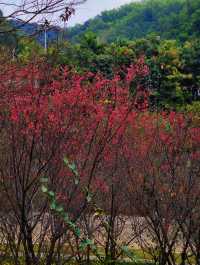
(170, 19)
(173, 80)
(119, 157)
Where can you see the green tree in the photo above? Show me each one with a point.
(191, 66)
(28, 48)
(8, 38)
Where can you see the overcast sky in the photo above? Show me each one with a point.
(85, 11)
(94, 7)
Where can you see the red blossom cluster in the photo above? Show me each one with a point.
(56, 113)
(130, 158)
(88, 118)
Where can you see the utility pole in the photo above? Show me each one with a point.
(46, 26)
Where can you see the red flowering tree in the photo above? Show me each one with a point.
(163, 187)
(126, 165)
(45, 115)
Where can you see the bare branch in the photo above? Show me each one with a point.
(26, 11)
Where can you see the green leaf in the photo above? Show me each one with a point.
(53, 205)
(44, 180)
(86, 242)
(72, 225)
(66, 161)
(73, 169)
(168, 127)
(44, 189)
(72, 166)
(75, 173)
(77, 232)
(51, 194)
(59, 209)
(128, 253)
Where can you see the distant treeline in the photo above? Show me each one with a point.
(170, 19)
(168, 38)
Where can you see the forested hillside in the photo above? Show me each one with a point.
(170, 19)
(36, 30)
(166, 33)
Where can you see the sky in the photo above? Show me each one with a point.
(83, 12)
(94, 7)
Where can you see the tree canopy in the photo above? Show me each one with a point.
(179, 19)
